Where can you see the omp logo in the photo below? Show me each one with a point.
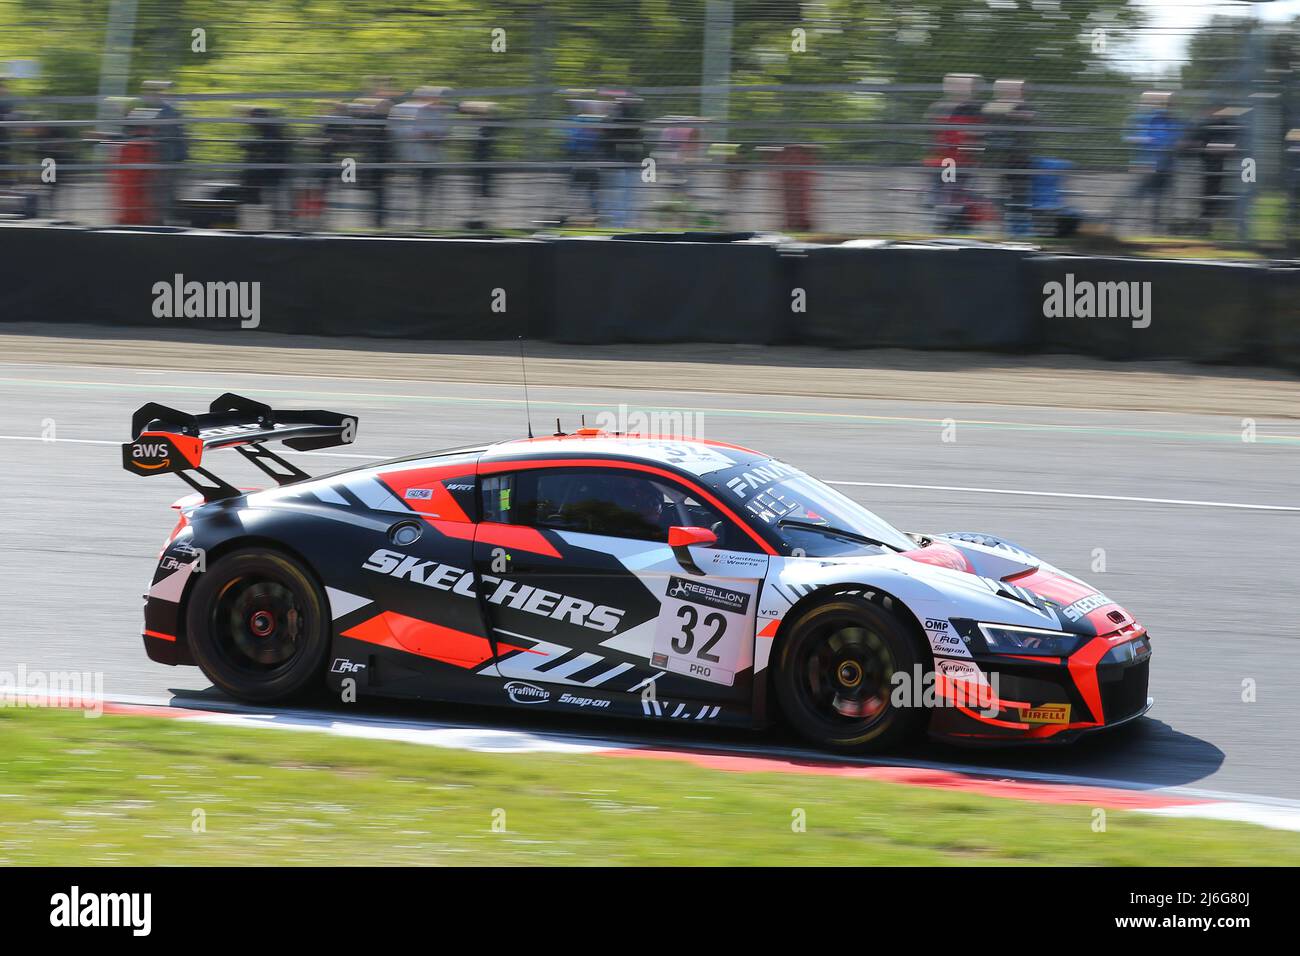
(1080, 608)
(934, 624)
(511, 594)
(74, 908)
(724, 599)
(522, 693)
(1046, 714)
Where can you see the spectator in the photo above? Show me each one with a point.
(482, 155)
(134, 194)
(1214, 139)
(677, 152)
(373, 149)
(172, 148)
(624, 146)
(1008, 149)
(418, 129)
(58, 143)
(6, 115)
(1155, 134)
(268, 153)
(582, 147)
(958, 142)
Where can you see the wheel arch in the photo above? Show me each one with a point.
(874, 593)
(216, 552)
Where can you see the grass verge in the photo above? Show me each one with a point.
(131, 790)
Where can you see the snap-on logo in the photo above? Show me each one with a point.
(522, 693)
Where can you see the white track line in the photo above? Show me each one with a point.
(105, 441)
(1067, 494)
(1188, 502)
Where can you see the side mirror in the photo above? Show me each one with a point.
(680, 540)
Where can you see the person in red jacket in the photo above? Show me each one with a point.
(133, 193)
(957, 121)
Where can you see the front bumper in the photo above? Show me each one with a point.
(1101, 685)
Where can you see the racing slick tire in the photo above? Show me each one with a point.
(258, 627)
(834, 676)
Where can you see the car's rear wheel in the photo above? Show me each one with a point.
(834, 675)
(257, 626)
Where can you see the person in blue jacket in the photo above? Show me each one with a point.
(1155, 133)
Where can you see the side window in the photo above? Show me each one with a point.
(603, 501)
(589, 500)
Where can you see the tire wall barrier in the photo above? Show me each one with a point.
(390, 288)
(1207, 312)
(912, 298)
(640, 290)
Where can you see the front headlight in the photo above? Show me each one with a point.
(1009, 639)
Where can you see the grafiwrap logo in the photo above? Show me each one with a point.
(522, 693)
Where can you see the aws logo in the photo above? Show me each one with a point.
(150, 455)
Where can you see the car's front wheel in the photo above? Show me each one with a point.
(834, 675)
(258, 627)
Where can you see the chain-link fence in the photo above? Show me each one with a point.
(1026, 119)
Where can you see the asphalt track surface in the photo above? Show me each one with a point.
(1198, 530)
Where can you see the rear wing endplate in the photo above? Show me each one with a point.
(168, 441)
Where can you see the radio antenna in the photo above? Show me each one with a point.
(523, 367)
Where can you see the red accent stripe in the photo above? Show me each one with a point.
(189, 446)
(426, 639)
(160, 635)
(440, 503)
(506, 535)
(1083, 668)
(635, 436)
(497, 467)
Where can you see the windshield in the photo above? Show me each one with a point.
(775, 496)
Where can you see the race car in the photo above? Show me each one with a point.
(624, 575)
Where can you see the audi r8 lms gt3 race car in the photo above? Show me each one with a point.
(638, 576)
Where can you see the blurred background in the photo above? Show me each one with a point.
(1056, 121)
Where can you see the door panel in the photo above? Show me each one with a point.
(606, 613)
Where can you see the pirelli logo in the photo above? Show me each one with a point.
(1046, 714)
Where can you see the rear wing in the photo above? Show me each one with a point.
(168, 441)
